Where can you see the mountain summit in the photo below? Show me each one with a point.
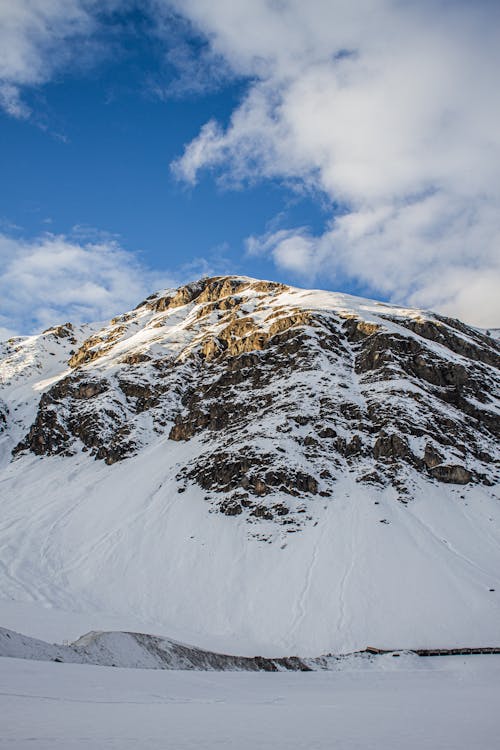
(272, 466)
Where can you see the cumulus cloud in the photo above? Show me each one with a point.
(54, 278)
(389, 109)
(386, 109)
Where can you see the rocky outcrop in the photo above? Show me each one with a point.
(64, 331)
(226, 472)
(76, 408)
(47, 435)
(391, 448)
(470, 343)
(96, 346)
(432, 457)
(3, 416)
(214, 289)
(451, 474)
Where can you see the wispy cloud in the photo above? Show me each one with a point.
(55, 278)
(187, 64)
(41, 38)
(387, 108)
(37, 37)
(86, 276)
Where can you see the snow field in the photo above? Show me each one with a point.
(446, 703)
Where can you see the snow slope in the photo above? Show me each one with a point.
(89, 538)
(433, 704)
(306, 567)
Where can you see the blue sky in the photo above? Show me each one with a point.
(97, 154)
(104, 163)
(148, 143)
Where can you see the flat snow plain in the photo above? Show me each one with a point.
(442, 703)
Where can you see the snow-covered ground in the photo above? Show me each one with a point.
(119, 543)
(445, 703)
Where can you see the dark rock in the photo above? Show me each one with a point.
(64, 331)
(371, 478)
(354, 447)
(90, 389)
(327, 432)
(301, 419)
(451, 474)
(145, 397)
(261, 511)
(432, 457)
(390, 447)
(136, 358)
(47, 435)
(230, 507)
(310, 441)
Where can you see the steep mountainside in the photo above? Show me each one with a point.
(306, 418)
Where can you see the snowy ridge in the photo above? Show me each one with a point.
(143, 651)
(138, 651)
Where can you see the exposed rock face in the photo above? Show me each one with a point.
(3, 416)
(65, 331)
(432, 457)
(252, 472)
(391, 448)
(282, 390)
(451, 474)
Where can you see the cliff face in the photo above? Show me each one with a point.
(312, 470)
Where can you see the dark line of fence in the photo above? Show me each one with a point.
(437, 651)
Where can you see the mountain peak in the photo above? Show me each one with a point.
(234, 415)
(349, 385)
(209, 289)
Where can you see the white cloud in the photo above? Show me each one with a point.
(416, 253)
(55, 278)
(388, 108)
(38, 38)
(10, 101)
(84, 277)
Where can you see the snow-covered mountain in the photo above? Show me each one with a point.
(247, 465)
